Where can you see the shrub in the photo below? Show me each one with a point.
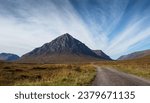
(77, 69)
(38, 68)
(7, 67)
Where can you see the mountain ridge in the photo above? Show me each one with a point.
(135, 55)
(101, 53)
(8, 57)
(63, 48)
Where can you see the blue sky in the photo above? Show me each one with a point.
(117, 27)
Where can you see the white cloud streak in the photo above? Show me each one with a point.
(28, 25)
(132, 34)
(40, 25)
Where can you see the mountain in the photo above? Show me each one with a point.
(135, 55)
(102, 54)
(8, 57)
(62, 49)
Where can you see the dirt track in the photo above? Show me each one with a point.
(111, 77)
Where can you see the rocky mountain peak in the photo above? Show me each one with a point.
(64, 44)
(66, 35)
(63, 47)
(66, 40)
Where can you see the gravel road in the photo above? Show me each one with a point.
(111, 77)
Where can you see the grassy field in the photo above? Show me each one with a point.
(65, 74)
(139, 67)
(46, 74)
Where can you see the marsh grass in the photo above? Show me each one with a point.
(46, 74)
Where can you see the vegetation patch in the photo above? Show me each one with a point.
(7, 67)
(38, 68)
(46, 74)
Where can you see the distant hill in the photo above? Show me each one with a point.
(102, 54)
(135, 55)
(8, 57)
(65, 48)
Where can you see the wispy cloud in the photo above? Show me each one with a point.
(34, 26)
(129, 33)
(136, 29)
(111, 25)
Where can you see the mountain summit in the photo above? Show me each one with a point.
(65, 48)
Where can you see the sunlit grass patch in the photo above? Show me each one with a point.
(47, 74)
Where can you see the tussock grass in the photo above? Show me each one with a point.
(46, 74)
(139, 67)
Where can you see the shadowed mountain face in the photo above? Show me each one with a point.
(62, 49)
(135, 55)
(102, 54)
(8, 57)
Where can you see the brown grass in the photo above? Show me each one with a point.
(46, 74)
(139, 67)
(66, 74)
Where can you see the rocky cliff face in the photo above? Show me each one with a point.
(102, 54)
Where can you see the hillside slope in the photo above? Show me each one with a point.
(135, 55)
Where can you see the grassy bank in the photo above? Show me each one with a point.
(46, 74)
(139, 67)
